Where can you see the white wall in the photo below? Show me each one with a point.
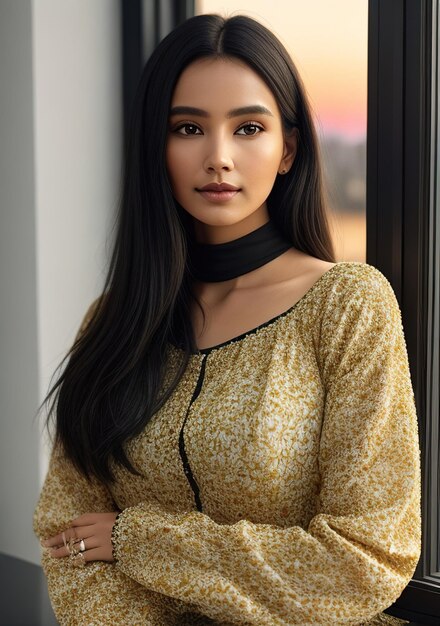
(18, 285)
(60, 150)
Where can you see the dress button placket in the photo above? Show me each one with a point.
(186, 467)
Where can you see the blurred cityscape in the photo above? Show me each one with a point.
(331, 56)
(344, 165)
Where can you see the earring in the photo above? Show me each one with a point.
(283, 172)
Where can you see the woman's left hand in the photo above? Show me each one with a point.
(95, 529)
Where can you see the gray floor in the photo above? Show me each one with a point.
(23, 594)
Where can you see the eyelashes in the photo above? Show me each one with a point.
(186, 125)
(195, 130)
(257, 127)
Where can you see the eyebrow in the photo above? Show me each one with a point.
(255, 108)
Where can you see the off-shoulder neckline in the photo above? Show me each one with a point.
(273, 320)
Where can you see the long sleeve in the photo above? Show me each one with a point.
(98, 594)
(361, 547)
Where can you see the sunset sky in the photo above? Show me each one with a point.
(328, 43)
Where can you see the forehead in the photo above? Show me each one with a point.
(221, 84)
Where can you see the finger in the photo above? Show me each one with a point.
(95, 554)
(76, 533)
(62, 551)
(89, 543)
(59, 551)
(59, 540)
(87, 519)
(82, 532)
(66, 549)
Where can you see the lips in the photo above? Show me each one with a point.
(218, 192)
(218, 187)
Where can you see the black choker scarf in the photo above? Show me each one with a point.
(213, 263)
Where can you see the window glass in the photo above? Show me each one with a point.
(434, 308)
(328, 43)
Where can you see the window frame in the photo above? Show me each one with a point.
(402, 234)
(144, 24)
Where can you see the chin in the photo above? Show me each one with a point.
(226, 221)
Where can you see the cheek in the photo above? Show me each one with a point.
(175, 163)
(271, 153)
(263, 161)
(265, 158)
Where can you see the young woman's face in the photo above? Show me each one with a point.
(225, 127)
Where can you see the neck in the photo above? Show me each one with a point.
(216, 262)
(223, 233)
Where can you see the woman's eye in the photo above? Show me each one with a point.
(249, 130)
(187, 129)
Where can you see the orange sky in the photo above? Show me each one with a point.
(328, 42)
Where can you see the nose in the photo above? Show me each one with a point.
(219, 157)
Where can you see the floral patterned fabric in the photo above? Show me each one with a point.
(280, 482)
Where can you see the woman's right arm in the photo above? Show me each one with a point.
(98, 593)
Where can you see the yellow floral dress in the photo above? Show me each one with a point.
(280, 482)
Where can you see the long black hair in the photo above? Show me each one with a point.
(113, 381)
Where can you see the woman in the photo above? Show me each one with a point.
(236, 437)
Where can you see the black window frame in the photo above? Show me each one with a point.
(402, 235)
(144, 24)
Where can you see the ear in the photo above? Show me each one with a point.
(289, 152)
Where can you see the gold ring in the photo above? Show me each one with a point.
(71, 547)
(68, 547)
(77, 560)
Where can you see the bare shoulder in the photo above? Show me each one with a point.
(304, 268)
(317, 267)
